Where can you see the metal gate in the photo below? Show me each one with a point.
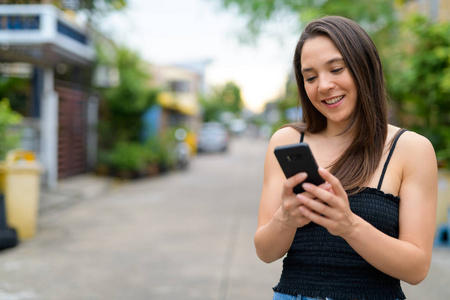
(72, 131)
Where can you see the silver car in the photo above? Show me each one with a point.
(213, 137)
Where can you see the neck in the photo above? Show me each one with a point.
(335, 130)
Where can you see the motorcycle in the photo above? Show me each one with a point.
(182, 149)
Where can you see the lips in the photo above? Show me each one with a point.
(333, 100)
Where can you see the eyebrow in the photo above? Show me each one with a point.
(333, 60)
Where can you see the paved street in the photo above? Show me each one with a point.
(185, 235)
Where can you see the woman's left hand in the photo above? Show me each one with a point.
(330, 208)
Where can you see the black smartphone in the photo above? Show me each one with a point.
(298, 158)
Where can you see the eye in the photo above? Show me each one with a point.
(310, 79)
(336, 71)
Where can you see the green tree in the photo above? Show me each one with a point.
(290, 99)
(226, 98)
(8, 139)
(419, 80)
(16, 90)
(103, 4)
(376, 16)
(121, 109)
(92, 7)
(97, 8)
(124, 104)
(89, 5)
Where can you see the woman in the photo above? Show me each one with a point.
(372, 223)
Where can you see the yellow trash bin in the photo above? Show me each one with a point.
(20, 183)
(443, 204)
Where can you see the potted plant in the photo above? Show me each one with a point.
(151, 159)
(127, 159)
(163, 147)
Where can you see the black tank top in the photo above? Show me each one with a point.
(319, 264)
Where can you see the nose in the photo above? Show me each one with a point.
(325, 84)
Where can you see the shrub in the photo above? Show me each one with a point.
(9, 139)
(126, 156)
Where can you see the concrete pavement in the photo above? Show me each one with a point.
(184, 235)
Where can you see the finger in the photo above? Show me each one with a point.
(316, 206)
(326, 186)
(322, 194)
(315, 217)
(291, 182)
(308, 195)
(333, 181)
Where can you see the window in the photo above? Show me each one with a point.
(179, 86)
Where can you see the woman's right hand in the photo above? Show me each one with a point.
(289, 213)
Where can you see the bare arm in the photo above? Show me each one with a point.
(279, 215)
(408, 257)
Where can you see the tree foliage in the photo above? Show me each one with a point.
(90, 5)
(419, 80)
(132, 93)
(99, 4)
(373, 15)
(92, 8)
(16, 90)
(124, 104)
(9, 139)
(226, 98)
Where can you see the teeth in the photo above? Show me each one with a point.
(334, 100)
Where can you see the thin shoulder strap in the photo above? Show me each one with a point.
(397, 136)
(302, 135)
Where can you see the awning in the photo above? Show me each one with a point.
(180, 104)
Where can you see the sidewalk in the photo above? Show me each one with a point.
(73, 189)
(90, 186)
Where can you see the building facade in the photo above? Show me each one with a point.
(178, 103)
(61, 114)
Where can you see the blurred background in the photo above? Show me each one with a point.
(137, 94)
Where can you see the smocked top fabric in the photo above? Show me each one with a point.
(319, 264)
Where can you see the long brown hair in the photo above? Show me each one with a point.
(359, 161)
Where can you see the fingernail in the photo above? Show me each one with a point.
(306, 186)
(300, 197)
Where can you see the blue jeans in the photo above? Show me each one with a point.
(279, 296)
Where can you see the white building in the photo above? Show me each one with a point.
(61, 114)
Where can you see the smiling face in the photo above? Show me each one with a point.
(327, 80)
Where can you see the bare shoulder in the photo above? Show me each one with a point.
(416, 151)
(273, 175)
(285, 136)
(414, 143)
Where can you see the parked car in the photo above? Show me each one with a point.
(213, 137)
(237, 127)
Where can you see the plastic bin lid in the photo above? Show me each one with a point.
(20, 155)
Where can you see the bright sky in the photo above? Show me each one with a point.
(177, 31)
